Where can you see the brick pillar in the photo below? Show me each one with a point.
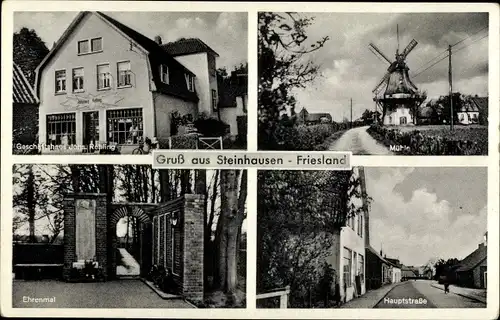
(193, 230)
(101, 233)
(69, 235)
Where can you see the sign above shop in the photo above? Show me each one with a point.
(89, 101)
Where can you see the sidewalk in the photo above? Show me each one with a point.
(471, 293)
(370, 298)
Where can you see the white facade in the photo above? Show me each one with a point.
(229, 115)
(468, 117)
(204, 66)
(398, 116)
(396, 274)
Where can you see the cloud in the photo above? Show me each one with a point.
(422, 227)
(350, 70)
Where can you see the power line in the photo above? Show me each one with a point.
(445, 51)
(448, 55)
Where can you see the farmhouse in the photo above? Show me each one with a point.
(468, 113)
(313, 118)
(24, 108)
(105, 84)
(472, 270)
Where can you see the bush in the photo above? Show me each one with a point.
(211, 127)
(434, 142)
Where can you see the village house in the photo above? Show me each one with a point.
(472, 270)
(24, 109)
(468, 113)
(378, 269)
(233, 104)
(104, 84)
(313, 118)
(396, 269)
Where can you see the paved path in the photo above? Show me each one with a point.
(370, 298)
(423, 289)
(111, 294)
(129, 267)
(359, 142)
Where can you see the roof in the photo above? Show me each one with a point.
(373, 251)
(468, 106)
(481, 103)
(473, 259)
(157, 56)
(185, 46)
(399, 81)
(318, 116)
(22, 92)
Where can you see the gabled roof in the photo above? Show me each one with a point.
(185, 46)
(318, 116)
(468, 106)
(481, 103)
(21, 89)
(473, 259)
(157, 56)
(374, 252)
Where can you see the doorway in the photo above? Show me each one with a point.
(402, 120)
(90, 129)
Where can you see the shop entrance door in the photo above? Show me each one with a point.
(91, 130)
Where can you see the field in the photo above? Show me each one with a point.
(439, 128)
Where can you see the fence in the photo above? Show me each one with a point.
(193, 141)
(282, 293)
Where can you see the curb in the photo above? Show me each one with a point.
(164, 296)
(461, 294)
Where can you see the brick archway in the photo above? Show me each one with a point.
(119, 211)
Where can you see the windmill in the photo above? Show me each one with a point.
(395, 93)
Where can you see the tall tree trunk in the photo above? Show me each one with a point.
(75, 178)
(30, 201)
(164, 185)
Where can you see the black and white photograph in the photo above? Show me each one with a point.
(373, 237)
(374, 83)
(129, 82)
(128, 236)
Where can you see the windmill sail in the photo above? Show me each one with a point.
(382, 81)
(409, 48)
(378, 53)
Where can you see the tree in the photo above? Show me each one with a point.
(281, 67)
(29, 51)
(369, 116)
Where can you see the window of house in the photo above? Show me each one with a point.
(125, 126)
(214, 99)
(96, 44)
(347, 267)
(60, 81)
(164, 74)
(103, 77)
(361, 266)
(124, 74)
(190, 82)
(61, 129)
(78, 80)
(83, 47)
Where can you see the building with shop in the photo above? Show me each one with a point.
(105, 85)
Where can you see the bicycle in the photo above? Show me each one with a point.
(146, 143)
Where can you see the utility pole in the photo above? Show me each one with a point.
(451, 87)
(351, 112)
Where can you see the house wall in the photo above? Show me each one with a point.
(393, 117)
(478, 274)
(373, 271)
(164, 106)
(115, 48)
(396, 275)
(350, 239)
(229, 115)
(463, 117)
(204, 83)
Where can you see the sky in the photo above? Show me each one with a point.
(224, 32)
(350, 70)
(419, 214)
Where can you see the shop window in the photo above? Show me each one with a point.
(125, 126)
(124, 74)
(103, 77)
(164, 74)
(190, 82)
(347, 267)
(78, 80)
(60, 81)
(61, 129)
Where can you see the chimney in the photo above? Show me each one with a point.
(158, 39)
(361, 172)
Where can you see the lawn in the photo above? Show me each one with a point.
(440, 128)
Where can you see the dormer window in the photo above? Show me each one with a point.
(90, 46)
(190, 82)
(164, 74)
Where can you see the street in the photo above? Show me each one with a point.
(359, 142)
(420, 294)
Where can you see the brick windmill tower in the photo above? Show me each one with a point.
(395, 94)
